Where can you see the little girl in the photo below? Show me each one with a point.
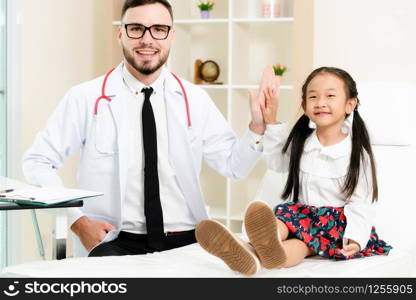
(330, 188)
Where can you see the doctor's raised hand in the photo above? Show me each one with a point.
(263, 106)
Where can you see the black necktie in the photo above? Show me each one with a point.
(152, 206)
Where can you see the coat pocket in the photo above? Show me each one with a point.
(103, 134)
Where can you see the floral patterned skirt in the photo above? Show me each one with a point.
(322, 230)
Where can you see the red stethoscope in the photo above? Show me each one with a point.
(103, 96)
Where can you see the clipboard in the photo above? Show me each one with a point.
(46, 196)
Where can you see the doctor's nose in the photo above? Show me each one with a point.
(147, 37)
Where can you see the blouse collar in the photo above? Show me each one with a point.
(343, 148)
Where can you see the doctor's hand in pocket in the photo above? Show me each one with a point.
(91, 232)
(264, 104)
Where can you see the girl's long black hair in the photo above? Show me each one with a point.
(360, 141)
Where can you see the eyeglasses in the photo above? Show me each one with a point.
(157, 31)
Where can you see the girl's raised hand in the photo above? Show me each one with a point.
(271, 97)
(269, 86)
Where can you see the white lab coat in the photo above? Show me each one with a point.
(104, 146)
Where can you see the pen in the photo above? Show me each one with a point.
(6, 191)
(21, 201)
(17, 198)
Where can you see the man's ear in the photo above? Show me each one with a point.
(351, 105)
(173, 33)
(119, 34)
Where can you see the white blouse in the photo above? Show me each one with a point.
(322, 174)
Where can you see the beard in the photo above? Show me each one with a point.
(145, 67)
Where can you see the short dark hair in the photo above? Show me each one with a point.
(134, 3)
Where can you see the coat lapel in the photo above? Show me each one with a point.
(180, 152)
(119, 94)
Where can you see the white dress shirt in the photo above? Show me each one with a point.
(176, 214)
(323, 170)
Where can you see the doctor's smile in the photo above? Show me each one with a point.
(147, 53)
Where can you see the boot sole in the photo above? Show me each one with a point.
(261, 227)
(216, 239)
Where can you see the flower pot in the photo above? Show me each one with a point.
(271, 8)
(204, 14)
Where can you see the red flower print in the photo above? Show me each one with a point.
(306, 237)
(323, 220)
(305, 223)
(324, 243)
(334, 233)
(290, 226)
(305, 211)
(293, 208)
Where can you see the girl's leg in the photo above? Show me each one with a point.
(296, 251)
(283, 230)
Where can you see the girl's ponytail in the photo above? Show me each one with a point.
(360, 145)
(296, 141)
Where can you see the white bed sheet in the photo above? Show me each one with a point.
(193, 261)
(394, 224)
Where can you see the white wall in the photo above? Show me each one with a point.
(60, 43)
(373, 39)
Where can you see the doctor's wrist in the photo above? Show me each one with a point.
(78, 224)
(257, 128)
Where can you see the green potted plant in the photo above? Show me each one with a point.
(205, 7)
(279, 70)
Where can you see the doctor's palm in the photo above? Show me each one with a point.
(255, 108)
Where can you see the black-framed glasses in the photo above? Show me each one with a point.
(157, 31)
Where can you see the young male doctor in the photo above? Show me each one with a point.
(142, 134)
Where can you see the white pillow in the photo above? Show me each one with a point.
(387, 108)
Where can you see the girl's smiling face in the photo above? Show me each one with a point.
(326, 102)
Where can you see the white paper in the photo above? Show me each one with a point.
(50, 195)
